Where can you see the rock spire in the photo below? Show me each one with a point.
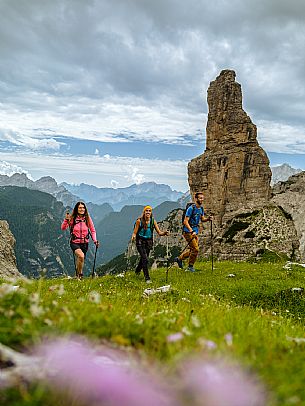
(234, 171)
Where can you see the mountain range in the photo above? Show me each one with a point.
(145, 193)
(35, 209)
(98, 200)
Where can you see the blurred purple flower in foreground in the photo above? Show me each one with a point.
(217, 383)
(98, 379)
(106, 377)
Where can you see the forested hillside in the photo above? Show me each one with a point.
(34, 218)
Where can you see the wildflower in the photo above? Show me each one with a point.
(94, 297)
(229, 339)
(297, 340)
(172, 338)
(6, 288)
(216, 383)
(61, 290)
(208, 344)
(139, 319)
(100, 380)
(36, 310)
(195, 321)
(186, 331)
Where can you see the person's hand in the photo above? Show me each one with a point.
(97, 243)
(166, 232)
(68, 216)
(133, 237)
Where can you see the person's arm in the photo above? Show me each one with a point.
(135, 230)
(158, 229)
(65, 224)
(93, 232)
(187, 225)
(206, 218)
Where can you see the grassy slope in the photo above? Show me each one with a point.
(256, 306)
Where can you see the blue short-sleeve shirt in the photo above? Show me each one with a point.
(194, 213)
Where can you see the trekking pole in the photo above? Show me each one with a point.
(168, 268)
(74, 264)
(127, 258)
(93, 269)
(212, 247)
(167, 258)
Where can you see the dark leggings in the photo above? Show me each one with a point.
(143, 247)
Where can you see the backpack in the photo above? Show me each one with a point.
(151, 225)
(72, 236)
(184, 210)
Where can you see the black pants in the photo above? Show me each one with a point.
(143, 246)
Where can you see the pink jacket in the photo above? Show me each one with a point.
(80, 232)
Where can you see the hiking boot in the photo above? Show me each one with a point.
(179, 262)
(190, 268)
(148, 281)
(137, 272)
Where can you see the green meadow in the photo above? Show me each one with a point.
(251, 313)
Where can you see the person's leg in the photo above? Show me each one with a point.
(147, 247)
(80, 260)
(185, 254)
(194, 250)
(140, 249)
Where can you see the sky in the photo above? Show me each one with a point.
(113, 92)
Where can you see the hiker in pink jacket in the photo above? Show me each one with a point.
(81, 228)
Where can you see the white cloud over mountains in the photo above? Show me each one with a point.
(109, 171)
(117, 70)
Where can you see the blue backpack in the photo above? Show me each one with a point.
(185, 210)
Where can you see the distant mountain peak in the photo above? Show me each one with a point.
(281, 173)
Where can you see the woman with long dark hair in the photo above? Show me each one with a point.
(143, 234)
(81, 228)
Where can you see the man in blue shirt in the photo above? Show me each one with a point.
(193, 216)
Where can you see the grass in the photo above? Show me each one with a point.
(256, 306)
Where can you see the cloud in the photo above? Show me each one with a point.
(114, 183)
(17, 139)
(101, 171)
(134, 175)
(140, 70)
(9, 169)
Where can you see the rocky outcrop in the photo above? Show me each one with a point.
(234, 175)
(267, 231)
(234, 170)
(8, 267)
(290, 195)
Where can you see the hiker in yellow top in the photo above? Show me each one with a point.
(143, 234)
(194, 214)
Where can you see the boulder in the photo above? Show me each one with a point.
(8, 267)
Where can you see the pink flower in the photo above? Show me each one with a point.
(216, 383)
(99, 378)
(172, 338)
